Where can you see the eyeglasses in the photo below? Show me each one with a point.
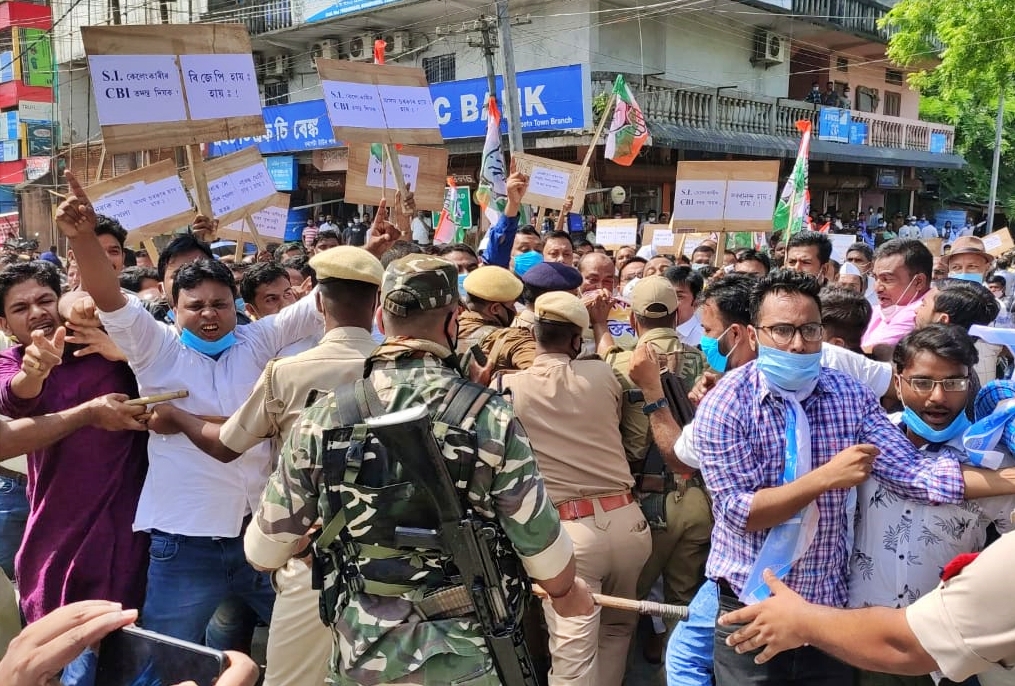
(783, 334)
(921, 385)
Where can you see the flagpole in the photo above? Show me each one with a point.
(599, 129)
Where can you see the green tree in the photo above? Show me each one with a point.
(954, 45)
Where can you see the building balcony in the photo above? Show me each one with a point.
(725, 120)
(858, 17)
(260, 17)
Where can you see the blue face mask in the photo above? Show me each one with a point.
(461, 285)
(974, 277)
(210, 348)
(789, 371)
(241, 306)
(922, 429)
(526, 261)
(710, 346)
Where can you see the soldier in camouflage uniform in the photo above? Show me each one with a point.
(491, 293)
(676, 506)
(382, 634)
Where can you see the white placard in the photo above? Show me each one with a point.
(220, 86)
(691, 242)
(699, 200)
(617, 232)
(410, 172)
(270, 222)
(224, 197)
(356, 105)
(137, 89)
(251, 184)
(750, 200)
(161, 199)
(119, 206)
(662, 239)
(841, 243)
(407, 107)
(552, 183)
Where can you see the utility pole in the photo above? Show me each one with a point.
(488, 29)
(507, 51)
(996, 166)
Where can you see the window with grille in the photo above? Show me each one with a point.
(893, 103)
(440, 68)
(841, 64)
(276, 93)
(893, 76)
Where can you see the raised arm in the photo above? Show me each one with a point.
(76, 219)
(502, 234)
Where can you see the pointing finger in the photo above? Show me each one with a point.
(75, 186)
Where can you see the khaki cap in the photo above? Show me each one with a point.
(493, 284)
(349, 263)
(653, 297)
(559, 306)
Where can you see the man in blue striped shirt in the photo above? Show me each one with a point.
(741, 437)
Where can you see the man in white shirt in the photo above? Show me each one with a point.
(910, 229)
(195, 507)
(420, 229)
(901, 545)
(687, 284)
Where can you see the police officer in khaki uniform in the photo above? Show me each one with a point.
(682, 527)
(543, 278)
(348, 278)
(571, 412)
(490, 295)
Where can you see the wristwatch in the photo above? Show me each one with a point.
(649, 408)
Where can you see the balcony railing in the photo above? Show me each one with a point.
(855, 16)
(732, 111)
(259, 17)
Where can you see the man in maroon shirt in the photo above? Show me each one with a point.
(82, 490)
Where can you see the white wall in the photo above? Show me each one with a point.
(690, 46)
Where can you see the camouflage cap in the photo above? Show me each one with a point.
(418, 282)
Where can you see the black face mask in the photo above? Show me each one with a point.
(452, 360)
(501, 320)
(576, 352)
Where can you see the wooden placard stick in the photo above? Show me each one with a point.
(599, 129)
(102, 163)
(720, 249)
(196, 162)
(238, 255)
(153, 251)
(248, 219)
(396, 169)
(158, 398)
(645, 607)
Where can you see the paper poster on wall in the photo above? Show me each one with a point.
(425, 171)
(196, 81)
(616, 233)
(378, 103)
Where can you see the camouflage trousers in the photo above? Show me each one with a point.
(443, 670)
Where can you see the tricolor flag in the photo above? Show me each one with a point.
(447, 230)
(628, 131)
(795, 202)
(491, 194)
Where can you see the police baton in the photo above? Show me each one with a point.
(644, 607)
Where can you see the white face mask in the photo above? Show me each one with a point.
(888, 312)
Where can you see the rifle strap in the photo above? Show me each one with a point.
(349, 412)
(460, 407)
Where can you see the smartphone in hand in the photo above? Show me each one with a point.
(135, 657)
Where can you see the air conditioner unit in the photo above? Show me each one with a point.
(361, 48)
(277, 67)
(769, 48)
(326, 49)
(398, 43)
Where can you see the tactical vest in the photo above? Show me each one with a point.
(371, 496)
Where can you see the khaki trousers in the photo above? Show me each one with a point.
(299, 644)
(609, 549)
(680, 551)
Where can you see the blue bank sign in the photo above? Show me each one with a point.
(320, 10)
(551, 100)
(287, 128)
